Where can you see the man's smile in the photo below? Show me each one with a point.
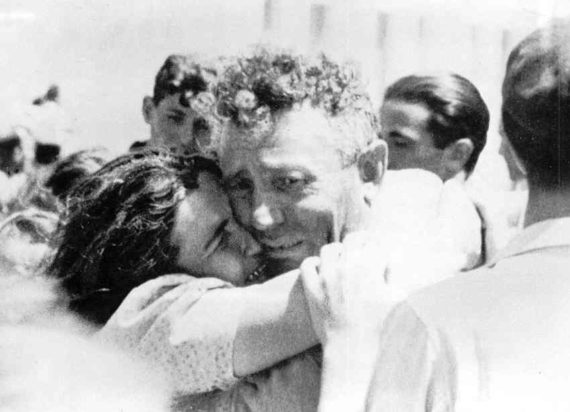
(281, 247)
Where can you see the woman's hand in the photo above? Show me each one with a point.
(346, 287)
(348, 299)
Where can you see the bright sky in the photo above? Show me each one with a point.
(104, 53)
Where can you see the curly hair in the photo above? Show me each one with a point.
(116, 234)
(254, 89)
(456, 107)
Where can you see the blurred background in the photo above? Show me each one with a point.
(104, 54)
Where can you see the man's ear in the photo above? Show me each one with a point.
(372, 164)
(147, 108)
(456, 155)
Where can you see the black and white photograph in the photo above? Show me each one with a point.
(284, 205)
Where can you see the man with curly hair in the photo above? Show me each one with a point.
(179, 111)
(302, 164)
(300, 152)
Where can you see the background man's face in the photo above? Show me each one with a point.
(171, 124)
(410, 143)
(288, 188)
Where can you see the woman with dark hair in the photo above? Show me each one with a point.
(149, 214)
(123, 228)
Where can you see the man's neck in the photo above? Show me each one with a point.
(544, 204)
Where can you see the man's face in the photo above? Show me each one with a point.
(173, 125)
(410, 143)
(289, 187)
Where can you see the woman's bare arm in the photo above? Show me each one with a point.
(274, 325)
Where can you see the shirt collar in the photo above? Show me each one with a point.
(542, 235)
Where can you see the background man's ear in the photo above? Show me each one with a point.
(147, 108)
(456, 155)
(373, 161)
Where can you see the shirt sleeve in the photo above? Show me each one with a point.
(292, 385)
(183, 325)
(415, 369)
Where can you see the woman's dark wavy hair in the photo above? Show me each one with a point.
(117, 229)
(456, 106)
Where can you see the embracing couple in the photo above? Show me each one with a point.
(153, 244)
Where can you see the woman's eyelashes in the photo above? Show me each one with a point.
(216, 240)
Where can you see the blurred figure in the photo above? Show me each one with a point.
(69, 171)
(49, 126)
(12, 167)
(11, 154)
(180, 111)
(47, 365)
(43, 128)
(25, 238)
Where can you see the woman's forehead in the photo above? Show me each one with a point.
(210, 191)
(204, 205)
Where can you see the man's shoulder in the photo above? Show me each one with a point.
(468, 299)
(444, 299)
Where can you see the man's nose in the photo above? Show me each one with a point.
(266, 213)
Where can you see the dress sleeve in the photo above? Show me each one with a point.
(292, 385)
(415, 370)
(185, 326)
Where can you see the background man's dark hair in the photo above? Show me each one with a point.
(536, 104)
(456, 107)
(181, 74)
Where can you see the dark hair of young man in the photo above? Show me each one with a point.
(457, 109)
(181, 74)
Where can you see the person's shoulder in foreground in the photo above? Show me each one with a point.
(484, 337)
(495, 339)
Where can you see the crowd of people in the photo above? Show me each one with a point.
(279, 244)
